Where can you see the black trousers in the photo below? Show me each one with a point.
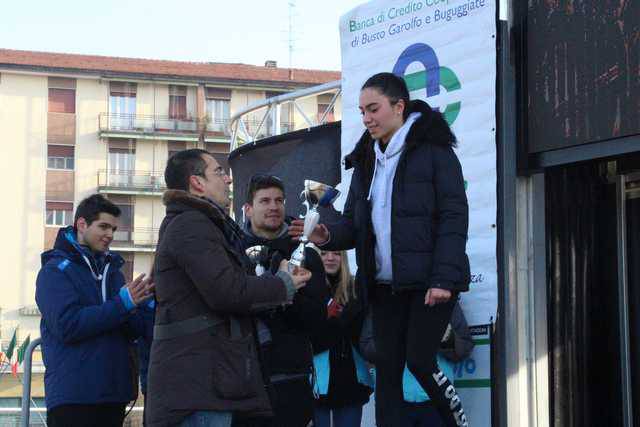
(292, 407)
(101, 415)
(406, 331)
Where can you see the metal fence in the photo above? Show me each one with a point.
(264, 119)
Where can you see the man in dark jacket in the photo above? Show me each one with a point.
(204, 366)
(89, 321)
(288, 358)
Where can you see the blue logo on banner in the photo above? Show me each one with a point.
(431, 79)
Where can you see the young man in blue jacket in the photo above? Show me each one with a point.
(89, 321)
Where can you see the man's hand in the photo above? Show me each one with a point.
(319, 236)
(436, 296)
(299, 275)
(141, 289)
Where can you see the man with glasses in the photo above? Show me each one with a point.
(285, 332)
(204, 367)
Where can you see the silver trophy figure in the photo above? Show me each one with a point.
(315, 194)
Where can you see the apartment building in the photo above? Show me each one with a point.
(73, 125)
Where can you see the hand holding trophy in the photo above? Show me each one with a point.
(315, 194)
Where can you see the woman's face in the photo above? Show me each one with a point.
(381, 118)
(331, 261)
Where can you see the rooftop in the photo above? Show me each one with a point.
(108, 66)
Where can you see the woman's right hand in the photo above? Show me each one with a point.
(299, 275)
(319, 236)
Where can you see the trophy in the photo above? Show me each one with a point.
(315, 194)
(258, 255)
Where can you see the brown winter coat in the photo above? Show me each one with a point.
(198, 272)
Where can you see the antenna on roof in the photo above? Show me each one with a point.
(292, 5)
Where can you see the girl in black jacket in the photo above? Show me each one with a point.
(407, 217)
(342, 377)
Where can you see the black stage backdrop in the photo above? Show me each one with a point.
(307, 154)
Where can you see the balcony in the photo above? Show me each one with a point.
(149, 127)
(217, 130)
(135, 240)
(217, 126)
(131, 182)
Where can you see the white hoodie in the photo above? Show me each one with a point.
(380, 196)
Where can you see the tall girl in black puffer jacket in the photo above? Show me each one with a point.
(407, 217)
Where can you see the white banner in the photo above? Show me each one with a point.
(446, 51)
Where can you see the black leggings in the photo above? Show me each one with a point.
(407, 331)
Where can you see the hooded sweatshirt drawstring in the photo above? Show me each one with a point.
(96, 276)
(391, 156)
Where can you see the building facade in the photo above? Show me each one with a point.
(74, 125)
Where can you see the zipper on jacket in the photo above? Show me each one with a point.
(393, 188)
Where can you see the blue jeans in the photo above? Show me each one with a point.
(208, 419)
(346, 416)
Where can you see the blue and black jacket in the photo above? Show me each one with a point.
(87, 326)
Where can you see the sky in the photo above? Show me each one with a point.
(249, 31)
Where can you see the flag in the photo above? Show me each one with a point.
(20, 356)
(23, 349)
(12, 346)
(5, 358)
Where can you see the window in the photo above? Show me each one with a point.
(122, 105)
(124, 233)
(62, 100)
(121, 161)
(324, 101)
(329, 117)
(60, 157)
(60, 218)
(218, 108)
(218, 112)
(60, 163)
(59, 214)
(177, 102)
(122, 154)
(286, 120)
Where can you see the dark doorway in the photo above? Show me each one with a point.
(593, 253)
